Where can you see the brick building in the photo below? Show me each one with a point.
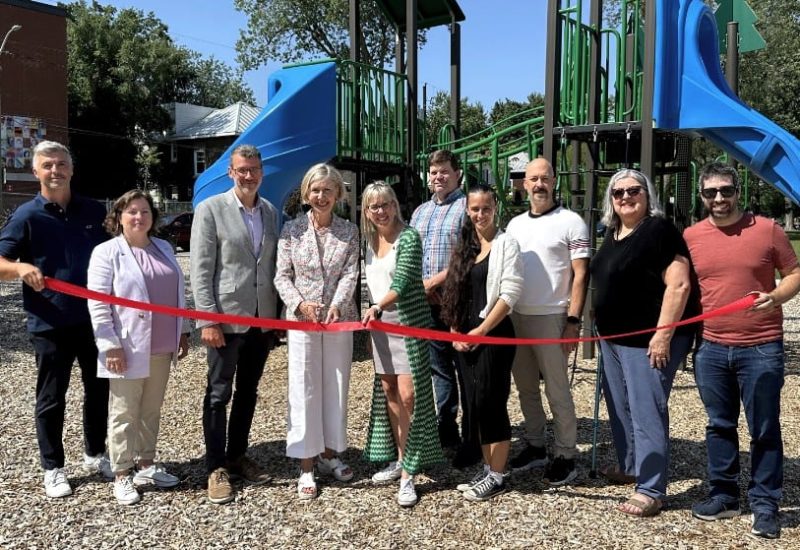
(33, 88)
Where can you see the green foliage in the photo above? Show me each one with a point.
(769, 79)
(508, 112)
(473, 117)
(123, 66)
(289, 31)
(216, 84)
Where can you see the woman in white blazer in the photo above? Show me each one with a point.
(484, 281)
(136, 348)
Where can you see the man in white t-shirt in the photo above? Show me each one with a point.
(554, 243)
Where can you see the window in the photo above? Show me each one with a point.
(199, 161)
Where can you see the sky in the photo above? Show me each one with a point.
(502, 44)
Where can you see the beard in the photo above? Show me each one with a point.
(721, 211)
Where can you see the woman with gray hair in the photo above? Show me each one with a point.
(642, 277)
(402, 427)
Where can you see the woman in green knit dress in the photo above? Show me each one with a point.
(402, 427)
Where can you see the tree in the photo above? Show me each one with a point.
(216, 84)
(473, 117)
(508, 112)
(123, 67)
(289, 31)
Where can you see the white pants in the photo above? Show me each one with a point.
(319, 380)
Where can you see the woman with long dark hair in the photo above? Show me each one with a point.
(483, 283)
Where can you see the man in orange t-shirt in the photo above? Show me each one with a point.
(741, 355)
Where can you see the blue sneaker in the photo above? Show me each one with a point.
(713, 509)
(766, 525)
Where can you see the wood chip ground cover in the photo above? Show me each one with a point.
(358, 515)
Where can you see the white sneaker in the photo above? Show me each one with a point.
(56, 484)
(389, 474)
(125, 492)
(98, 464)
(155, 474)
(407, 495)
(334, 467)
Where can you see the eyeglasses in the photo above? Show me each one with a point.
(375, 208)
(244, 172)
(631, 191)
(727, 191)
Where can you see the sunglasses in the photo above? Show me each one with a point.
(726, 191)
(631, 191)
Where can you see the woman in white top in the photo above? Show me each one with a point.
(484, 281)
(402, 426)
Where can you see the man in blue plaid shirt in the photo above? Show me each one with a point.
(438, 222)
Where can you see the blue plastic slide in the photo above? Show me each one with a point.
(691, 94)
(295, 130)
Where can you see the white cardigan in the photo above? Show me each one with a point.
(113, 269)
(504, 279)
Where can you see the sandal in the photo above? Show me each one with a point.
(334, 467)
(644, 509)
(306, 486)
(615, 476)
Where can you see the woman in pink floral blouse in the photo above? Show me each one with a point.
(316, 274)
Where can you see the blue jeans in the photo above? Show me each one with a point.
(636, 396)
(447, 383)
(754, 374)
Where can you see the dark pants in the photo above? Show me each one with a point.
(56, 351)
(487, 381)
(243, 355)
(725, 375)
(448, 384)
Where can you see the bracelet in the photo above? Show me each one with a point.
(572, 320)
(378, 311)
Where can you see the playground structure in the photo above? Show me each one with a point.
(630, 96)
(357, 117)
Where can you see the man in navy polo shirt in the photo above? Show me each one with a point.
(53, 235)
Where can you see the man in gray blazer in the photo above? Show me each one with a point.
(234, 237)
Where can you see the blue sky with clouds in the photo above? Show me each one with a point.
(503, 44)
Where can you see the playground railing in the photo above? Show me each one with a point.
(371, 112)
(621, 75)
(484, 156)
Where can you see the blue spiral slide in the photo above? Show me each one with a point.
(691, 94)
(296, 129)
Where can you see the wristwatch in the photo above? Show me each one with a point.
(378, 311)
(572, 320)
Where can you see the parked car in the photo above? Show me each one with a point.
(177, 229)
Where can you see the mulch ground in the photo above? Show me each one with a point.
(358, 515)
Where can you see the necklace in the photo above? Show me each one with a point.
(618, 235)
(317, 227)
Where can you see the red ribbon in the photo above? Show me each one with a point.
(352, 326)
